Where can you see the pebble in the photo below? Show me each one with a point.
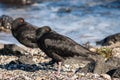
(106, 76)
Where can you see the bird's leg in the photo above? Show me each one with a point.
(60, 59)
(59, 68)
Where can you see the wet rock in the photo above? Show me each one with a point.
(64, 10)
(20, 50)
(2, 29)
(113, 4)
(6, 21)
(9, 52)
(116, 73)
(14, 65)
(109, 40)
(14, 48)
(23, 2)
(18, 2)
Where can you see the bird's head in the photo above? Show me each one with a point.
(6, 21)
(42, 31)
(18, 22)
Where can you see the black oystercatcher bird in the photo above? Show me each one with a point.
(24, 32)
(59, 47)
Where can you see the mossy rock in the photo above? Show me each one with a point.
(105, 52)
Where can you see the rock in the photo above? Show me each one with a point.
(26, 59)
(109, 40)
(18, 2)
(14, 49)
(64, 10)
(74, 64)
(2, 29)
(116, 74)
(90, 67)
(106, 76)
(32, 67)
(101, 66)
(115, 79)
(106, 66)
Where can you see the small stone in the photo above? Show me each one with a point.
(106, 76)
(81, 75)
(93, 49)
(67, 66)
(39, 78)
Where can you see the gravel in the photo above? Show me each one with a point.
(34, 67)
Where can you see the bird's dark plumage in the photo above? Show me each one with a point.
(24, 32)
(58, 46)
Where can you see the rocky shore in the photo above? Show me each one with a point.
(16, 63)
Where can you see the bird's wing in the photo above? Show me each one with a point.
(65, 45)
(28, 39)
(29, 35)
(59, 43)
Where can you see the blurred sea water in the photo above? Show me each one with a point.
(82, 20)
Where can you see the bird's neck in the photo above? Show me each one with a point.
(39, 36)
(14, 28)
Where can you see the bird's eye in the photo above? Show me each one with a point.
(47, 29)
(21, 20)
